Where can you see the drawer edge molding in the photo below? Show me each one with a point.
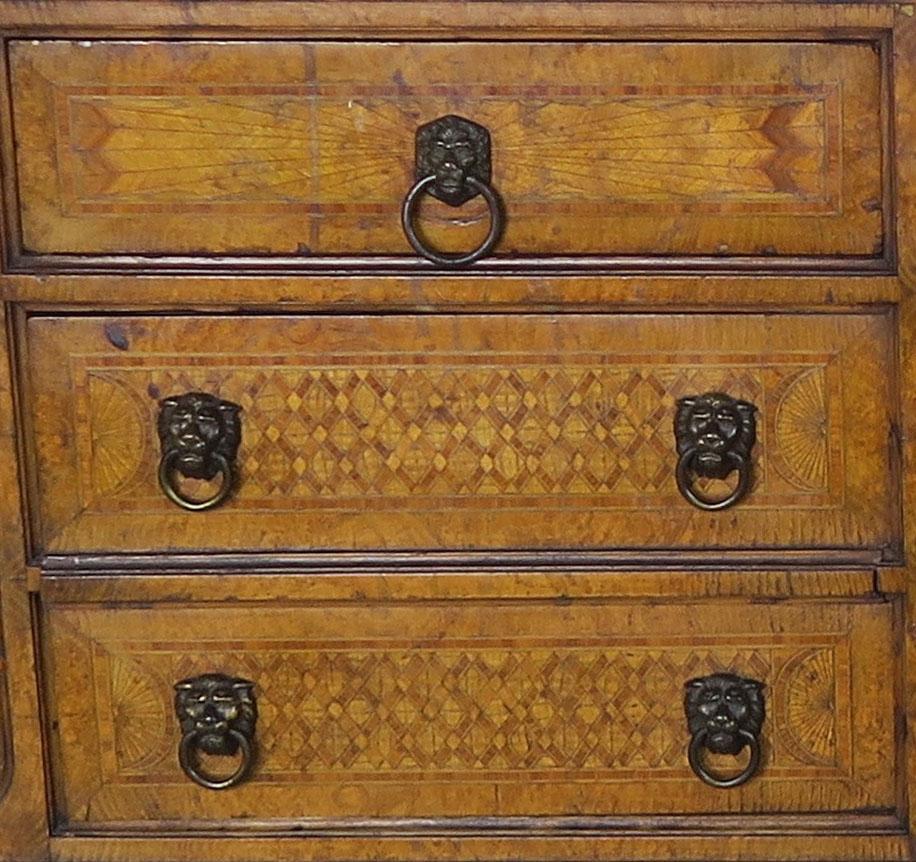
(410, 711)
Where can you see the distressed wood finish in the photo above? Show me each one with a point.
(24, 829)
(165, 583)
(464, 432)
(690, 186)
(398, 711)
(307, 149)
(552, 848)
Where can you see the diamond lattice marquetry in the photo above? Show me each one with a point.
(459, 430)
(489, 708)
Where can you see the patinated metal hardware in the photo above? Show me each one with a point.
(199, 435)
(217, 714)
(714, 435)
(725, 715)
(453, 165)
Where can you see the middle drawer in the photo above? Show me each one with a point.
(461, 431)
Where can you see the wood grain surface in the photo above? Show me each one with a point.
(307, 149)
(463, 432)
(454, 709)
(456, 567)
(650, 845)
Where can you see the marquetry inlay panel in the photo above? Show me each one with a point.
(456, 431)
(319, 433)
(307, 148)
(493, 707)
(786, 136)
(473, 696)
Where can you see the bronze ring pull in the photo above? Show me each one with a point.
(695, 757)
(686, 487)
(714, 434)
(725, 714)
(496, 223)
(453, 165)
(167, 470)
(200, 436)
(188, 760)
(217, 714)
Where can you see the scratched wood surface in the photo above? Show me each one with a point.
(815, 160)
(405, 710)
(307, 148)
(463, 432)
(652, 845)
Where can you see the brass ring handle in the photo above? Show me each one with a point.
(408, 211)
(218, 715)
(695, 757)
(725, 714)
(200, 436)
(686, 486)
(714, 434)
(188, 761)
(173, 492)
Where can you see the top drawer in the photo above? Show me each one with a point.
(306, 150)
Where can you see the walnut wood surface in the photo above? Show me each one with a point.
(555, 848)
(392, 710)
(308, 148)
(463, 432)
(162, 584)
(119, 247)
(24, 826)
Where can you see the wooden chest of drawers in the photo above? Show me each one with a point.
(457, 431)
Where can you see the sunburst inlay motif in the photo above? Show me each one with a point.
(118, 434)
(810, 706)
(138, 714)
(801, 431)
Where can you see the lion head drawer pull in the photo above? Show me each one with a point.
(714, 434)
(200, 436)
(453, 165)
(725, 714)
(217, 714)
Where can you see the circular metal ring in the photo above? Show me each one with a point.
(188, 761)
(167, 483)
(685, 484)
(695, 757)
(408, 211)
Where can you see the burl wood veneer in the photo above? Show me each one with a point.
(464, 431)
(293, 148)
(460, 598)
(494, 710)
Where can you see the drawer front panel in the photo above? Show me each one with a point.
(461, 432)
(502, 709)
(307, 149)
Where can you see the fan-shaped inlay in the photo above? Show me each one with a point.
(801, 431)
(118, 438)
(810, 709)
(138, 714)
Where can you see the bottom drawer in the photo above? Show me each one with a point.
(431, 709)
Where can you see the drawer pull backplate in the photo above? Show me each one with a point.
(725, 714)
(200, 436)
(453, 165)
(714, 434)
(217, 714)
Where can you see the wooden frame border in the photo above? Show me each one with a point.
(24, 835)
(626, 21)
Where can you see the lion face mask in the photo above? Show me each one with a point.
(196, 428)
(722, 706)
